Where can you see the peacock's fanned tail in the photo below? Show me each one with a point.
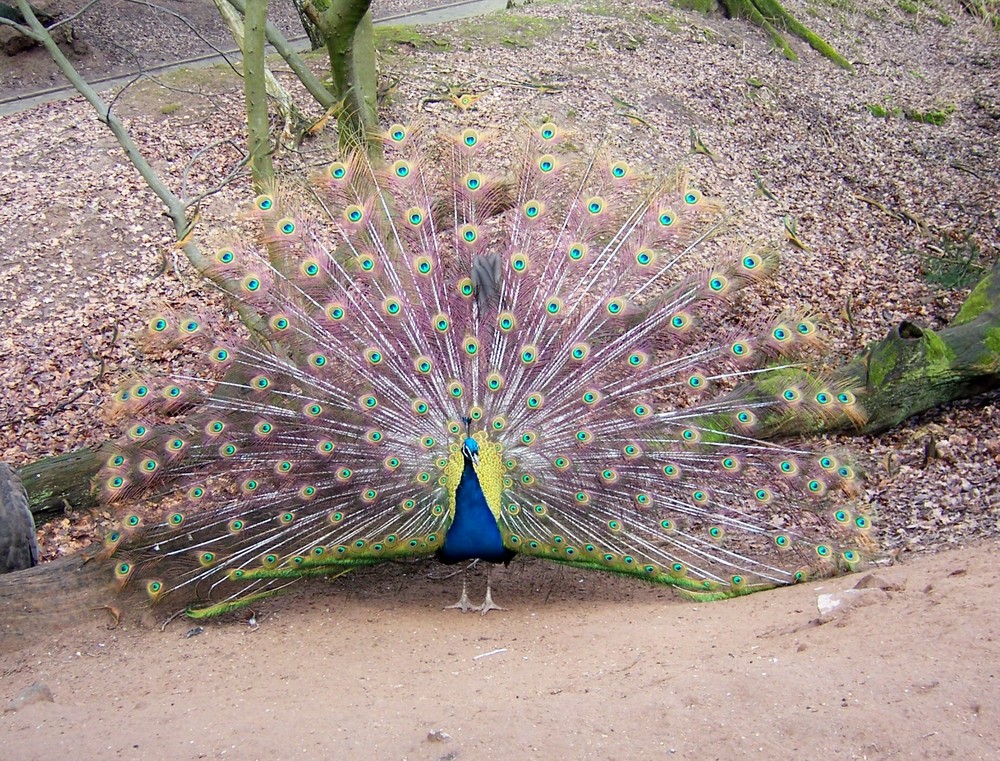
(560, 314)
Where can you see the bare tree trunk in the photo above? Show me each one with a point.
(255, 92)
(286, 107)
(310, 81)
(350, 42)
(773, 17)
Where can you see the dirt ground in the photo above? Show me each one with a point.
(580, 664)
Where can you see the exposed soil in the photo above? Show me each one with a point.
(580, 664)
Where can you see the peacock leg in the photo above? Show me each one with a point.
(488, 603)
(463, 603)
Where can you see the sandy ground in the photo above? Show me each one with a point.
(579, 666)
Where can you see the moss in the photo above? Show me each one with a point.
(390, 36)
(937, 117)
(170, 108)
(700, 6)
(991, 340)
(663, 19)
(841, 5)
(881, 362)
(938, 353)
(506, 28)
(908, 6)
(976, 303)
(774, 382)
(882, 112)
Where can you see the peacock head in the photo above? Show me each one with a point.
(470, 450)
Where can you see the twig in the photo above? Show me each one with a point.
(232, 175)
(73, 16)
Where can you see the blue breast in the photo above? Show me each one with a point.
(473, 532)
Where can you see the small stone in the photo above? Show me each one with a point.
(871, 581)
(36, 693)
(836, 604)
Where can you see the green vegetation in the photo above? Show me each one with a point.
(387, 37)
(935, 116)
(956, 260)
(986, 10)
(773, 18)
(883, 112)
(506, 28)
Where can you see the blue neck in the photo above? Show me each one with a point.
(473, 532)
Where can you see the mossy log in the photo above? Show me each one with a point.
(55, 484)
(914, 369)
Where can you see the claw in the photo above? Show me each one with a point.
(466, 606)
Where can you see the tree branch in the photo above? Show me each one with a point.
(175, 207)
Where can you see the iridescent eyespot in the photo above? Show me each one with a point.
(533, 209)
(470, 138)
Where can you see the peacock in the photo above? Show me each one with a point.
(448, 361)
